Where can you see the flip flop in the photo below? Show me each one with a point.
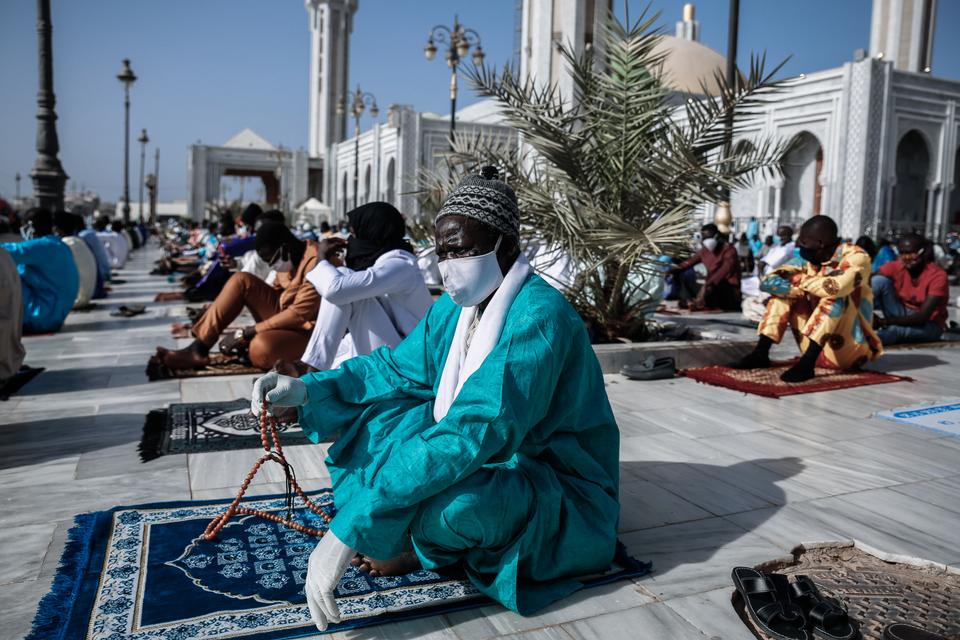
(769, 607)
(902, 631)
(652, 368)
(828, 620)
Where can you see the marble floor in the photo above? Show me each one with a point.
(711, 478)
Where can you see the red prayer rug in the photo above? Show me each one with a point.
(767, 382)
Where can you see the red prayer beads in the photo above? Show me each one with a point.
(268, 424)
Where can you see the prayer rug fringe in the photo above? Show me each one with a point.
(55, 608)
(156, 432)
(18, 380)
(767, 382)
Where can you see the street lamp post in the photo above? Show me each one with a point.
(48, 174)
(359, 104)
(458, 39)
(143, 140)
(127, 77)
(17, 179)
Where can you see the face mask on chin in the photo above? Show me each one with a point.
(470, 280)
(281, 264)
(710, 244)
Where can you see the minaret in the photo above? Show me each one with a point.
(689, 28)
(902, 31)
(331, 22)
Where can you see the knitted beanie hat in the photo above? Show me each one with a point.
(485, 198)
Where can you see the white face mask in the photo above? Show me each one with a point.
(281, 264)
(470, 280)
(709, 244)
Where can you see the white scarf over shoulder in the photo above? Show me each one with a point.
(461, 362)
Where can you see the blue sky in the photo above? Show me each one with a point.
(209, 68)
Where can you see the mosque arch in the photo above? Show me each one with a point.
(744, 202)
(802, 194)
(910, 193)
(953, 212)
(366, 183)
(391, 179)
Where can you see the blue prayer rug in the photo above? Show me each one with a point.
(144, 572)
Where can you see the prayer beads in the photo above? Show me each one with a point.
(268, 432)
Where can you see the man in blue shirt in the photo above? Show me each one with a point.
(48, 274)
(100, 254)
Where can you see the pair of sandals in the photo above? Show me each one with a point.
(128, 311)
(796, 610)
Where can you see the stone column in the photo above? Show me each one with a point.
(47, 174)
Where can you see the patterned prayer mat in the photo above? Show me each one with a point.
(220, 365)
(207, 426)
(876, 591)
(17, 381)
(767, 382)
(144, 572)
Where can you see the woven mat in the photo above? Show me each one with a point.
(220, 365)
(767, 382)
(875, 592)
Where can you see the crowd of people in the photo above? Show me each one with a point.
(50, 265)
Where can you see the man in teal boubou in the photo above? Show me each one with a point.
(485, 438)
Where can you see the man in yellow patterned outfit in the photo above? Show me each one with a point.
(826, 299)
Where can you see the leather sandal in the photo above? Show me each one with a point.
(769, 607)
(827, 620)
(903, 631)
(652, 368)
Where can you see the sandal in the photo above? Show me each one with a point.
(902, 631)
(768, 606)
(128, 312)
(828, 620)
(652, 368)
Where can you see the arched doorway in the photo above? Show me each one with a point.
(910, 191)
(391, 178)
(743, 202)
(366, 184)
(802, 192)
(953, 212)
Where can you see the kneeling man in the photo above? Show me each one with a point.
(825, 299)
(484, 438)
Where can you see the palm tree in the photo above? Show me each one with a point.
(613, 176)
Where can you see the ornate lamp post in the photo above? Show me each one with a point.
(143, 140)
(359, 104)
(127, 77)
(458, 39)
(47, 174)
(17, 179)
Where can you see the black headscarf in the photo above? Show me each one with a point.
(377, 228)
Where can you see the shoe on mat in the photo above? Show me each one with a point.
(768, 604)
(903, 631)
(827, 620)
(128, 311)
(652, 368)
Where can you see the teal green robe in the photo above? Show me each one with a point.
(536, 406)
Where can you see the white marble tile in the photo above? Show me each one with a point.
(944, 493)
(23, 550)
(703, 490)
(644, 505)
(653, 621)
(713, 614)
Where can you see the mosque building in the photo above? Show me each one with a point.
(877, 140)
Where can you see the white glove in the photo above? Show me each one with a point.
(328, 562)
(277, 390)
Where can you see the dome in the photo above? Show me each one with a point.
(687, 63)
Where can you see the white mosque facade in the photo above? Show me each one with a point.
(877, 140)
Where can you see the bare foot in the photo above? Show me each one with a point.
(406, 562)
(186, 358)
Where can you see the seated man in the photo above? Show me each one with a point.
(11, 318)
(376, 300)
(65, 225)
(113, 242)
(825, 299)
(485, 438)
(722, 287)
(778, 254)
(284, 312)
(912, 295)
(48, 275)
